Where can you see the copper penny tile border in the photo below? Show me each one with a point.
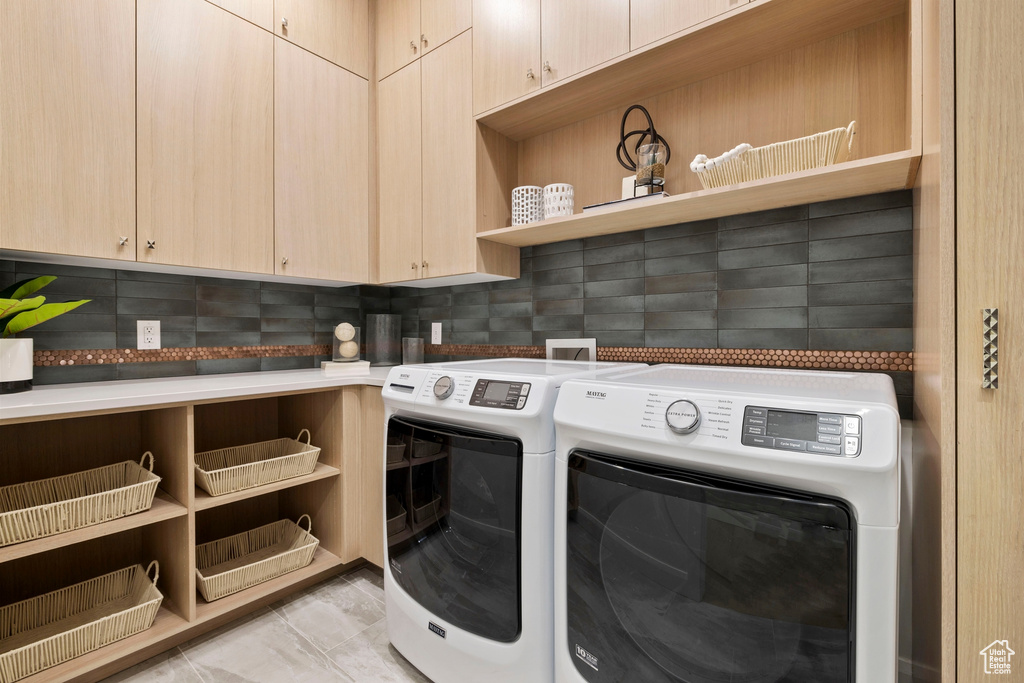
(878, 361)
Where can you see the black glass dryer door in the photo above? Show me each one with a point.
(674, 576)
(459, 554)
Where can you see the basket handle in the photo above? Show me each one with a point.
(143, 459)
(851, 130)
(308, 436)
(156, 573)
(309, 523)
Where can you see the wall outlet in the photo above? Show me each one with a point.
(435, 333)
(149, 334)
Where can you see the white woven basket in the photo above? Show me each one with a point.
(558, 200)
(745, 163)
(232, 564)
(242, 467)
(49, 629)
(46, 507)
(527, 204)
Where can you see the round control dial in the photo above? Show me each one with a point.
(683, 417)
(444, 387)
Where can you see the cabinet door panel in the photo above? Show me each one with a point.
(259, 12)
(398, 35)
(205, 138)
(321, 210)
(399, 175)
(337, 30)
(653, 20)
(579, 34)
(506, 46)
(449, 160)
(67, 127)
(442, 20)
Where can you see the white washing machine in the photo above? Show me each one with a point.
(469, 490)
(719, 525)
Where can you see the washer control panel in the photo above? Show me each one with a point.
(683, 416)
(790, 430)
(492, 393)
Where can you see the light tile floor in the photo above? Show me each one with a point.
(333, 631)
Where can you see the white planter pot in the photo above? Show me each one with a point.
(15, 365)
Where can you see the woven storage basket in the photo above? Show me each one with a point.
(237, 562)
(745, 163)
(243, 467)
(46, 630)
(52, 506)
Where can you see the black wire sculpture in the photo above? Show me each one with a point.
(647, 136)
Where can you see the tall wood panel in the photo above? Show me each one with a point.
(652, 20)
(398, 35)
(442, 20)
(579, 34)
(205, 138)
(506, 51)
(67, 127)
(259, 12)
(321, 205)
(989, 245)
(337, 30)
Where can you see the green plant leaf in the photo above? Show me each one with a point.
(19, 290)
(11, 307)
(23, 321)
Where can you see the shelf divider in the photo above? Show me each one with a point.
(205, 501)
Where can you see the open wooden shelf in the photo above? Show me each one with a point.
(164, 507)
(205, 501)
(755, 31)
(850, 179)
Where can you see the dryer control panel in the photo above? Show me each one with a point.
(790, 430)
(493, 393)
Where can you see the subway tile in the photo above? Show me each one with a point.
(509, 324)
(525, 252)
(763, 339)
(227, 282)
(557, 322)
(176, 323)
(614, 288)
(681, 320)
(287, 363)
(168, 340)
(405, 303)
(617, 337)
(614, 304)
(524, 280)
(287, 298)
(859, 224)
(681, 246)
(435, 313)
(286, 338)
(871, 202)
(149, 276)
(763, 297)
(613, 271)
(72, 288)
(847, 293)
(770, 217)
(227, 338)
(868, 246)
(154, 290)
(569, 291)
(214, 293)
(511, 310)
(7, 279)
(289, 286)
(680, 230)
(876, 339)
(331, 299)
(562, 276)
(557, 248)
(26, 269)
(759, 257)
(688, 282)
(286, 325)
(680, 339)
(616, 254)
(540, 337)
(861, 270)
(903, 382)
(6, 266)
(78, 340)
(103, 305)
(508, 296)
(221, 308)
(68, 374)
(614, 321)
(80, 323)
(676, 265)
(472, 324)
(683, 301)
(482, 311)
(286, 311)
(773, 276)
(558, 307)
(511, 338)
(525, 264)
(762, 318)
(762, 236)
(226, 324)
(459, 337)
(568, 259)
(887, 315)
(615, 240)
(436, 300)
(182, 368)
(469, 298)
(336, 315)
(216, 366)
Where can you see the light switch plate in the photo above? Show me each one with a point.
(148, 334)
(435, 333)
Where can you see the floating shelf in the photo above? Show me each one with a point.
(747, 34)
(204, 500)
(164, 507)
(850, 179)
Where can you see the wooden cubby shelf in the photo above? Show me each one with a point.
(205, 501)
(850, 179)
(164, 507)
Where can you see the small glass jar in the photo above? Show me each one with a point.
(650, 168)
(346, 343)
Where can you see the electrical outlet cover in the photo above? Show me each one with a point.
(435, 333)
(148, 334)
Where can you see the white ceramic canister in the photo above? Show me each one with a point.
(527, 204)
(558, 200)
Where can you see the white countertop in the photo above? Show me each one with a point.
(66, 399)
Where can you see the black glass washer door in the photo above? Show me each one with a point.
(462, 561)
(675, 576)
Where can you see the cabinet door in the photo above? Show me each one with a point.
(205, 138)
(449, 160)
(399, 175)
(321, 209)
(398, 35)
(506, 52)
(259, 12)
(67, 127)
(653, 20)
(579, 34)
(337, 30)
(442, 20)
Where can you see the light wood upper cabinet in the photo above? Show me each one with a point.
(337, 30)
(259, 12)
(67, 127)
(579, 34)
(652, 20)
(506, 51)
(398, 35)
(442, 20)
(321, 208)
(449, 160)
(399, 176)
(205, 138)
